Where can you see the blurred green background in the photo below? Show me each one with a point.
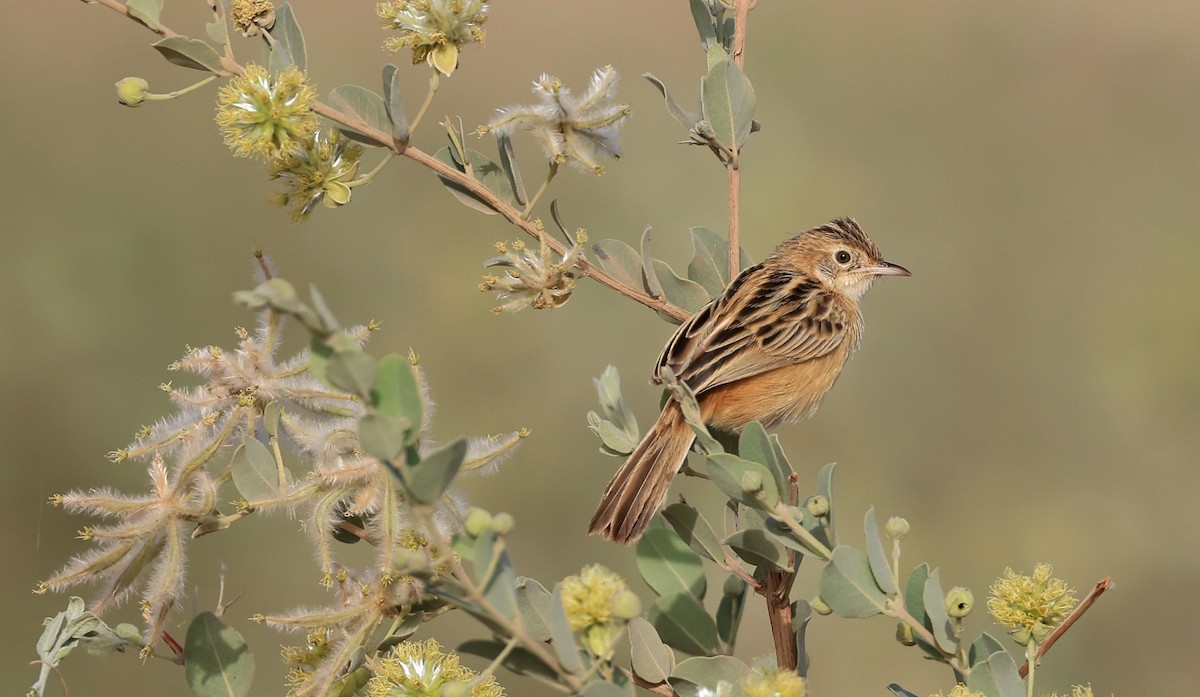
(1031, 394)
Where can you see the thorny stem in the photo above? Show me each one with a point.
(434, 83)
(487, 196)
(741, 13)
(1101, 586)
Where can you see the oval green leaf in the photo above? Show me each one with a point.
(255, 472)
(430, 477)
(189, 53)
(219, 663)
(683, 623)
(848, 586)
(669, 565)
(652, 659)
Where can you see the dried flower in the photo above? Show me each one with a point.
(533, 280)
(421, 669)
(434, 29)
(318, 169)
(252, 16)
(960, 690)
(579, 130)
(1031, 606)
(264, 114)
(774, 682)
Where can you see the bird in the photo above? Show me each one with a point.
(767, 349)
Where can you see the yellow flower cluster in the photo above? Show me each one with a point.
(1031, 606)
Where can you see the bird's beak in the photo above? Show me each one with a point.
(885, 268)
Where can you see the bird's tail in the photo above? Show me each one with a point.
(640, 486)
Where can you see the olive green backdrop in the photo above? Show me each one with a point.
(1031, 394)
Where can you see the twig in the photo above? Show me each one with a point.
(740, 15)
(506, 210)
(1101, 586)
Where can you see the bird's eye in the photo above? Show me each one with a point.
(842, 257)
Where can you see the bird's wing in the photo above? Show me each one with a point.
(752, 328)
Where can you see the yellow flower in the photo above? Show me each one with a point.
(1031, 606)
(531, 279)
(264, 114)
(434, 29)
(420, 669)
(315, 170)
(588, 596)
(774, 683)
(960, 690)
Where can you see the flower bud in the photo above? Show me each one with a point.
(817, 506)
(477, 521)
(502, 523)
(959, 602)
(132, 91)
(626, 605)
(904, 634)
(819, 606)
(896, 528)
(751, 481)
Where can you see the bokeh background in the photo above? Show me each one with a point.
(1031, 394)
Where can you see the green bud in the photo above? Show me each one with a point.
(131, 91)
(751, 481)
(959, 602)
(597, 638)
(456, 688)
(819, 606)
(817, 506)
(477, 521)
(626, 605)
(896, 528)
(733, 585)
(904, 634)
(502, 523)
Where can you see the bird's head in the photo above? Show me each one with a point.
(840, 255)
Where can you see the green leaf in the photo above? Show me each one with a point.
(508, 162)
(397, 392)
(693, 529)
(352, 370)
(618, 260)
(704, 23)
(683, 623)
(218, 661)
(383, 436)
(802, 614)
(393, 102)
(825, 488)
(710, 260)
(848, 586)
(145, 11)
(486, 172)
(681, 292)
(429, 478)
(494, 574)
(729, 611)
(533, 602)
(520, 660)
(614, 440)
(982, 648)
(328, 322)
(756, 548)
(255, 472)
(562, 638)
(935, 609)
(706, 672)
(364, 105)
(687, 118)
(756, 445)
(652, 659)
(669, 565)
(289, 40)
(899, 691)
(881, 567)
(218, 32)
(744, 481)
(189, 53)
(728, 102)
(914, 602)
(997, 677)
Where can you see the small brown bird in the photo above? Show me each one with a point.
(768, 349)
